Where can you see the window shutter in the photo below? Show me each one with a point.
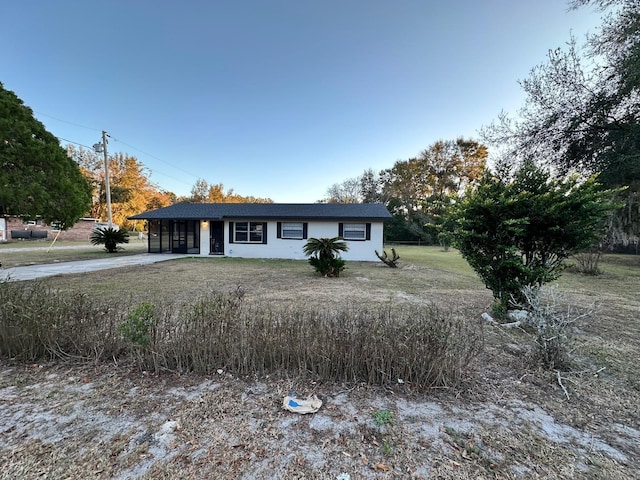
(368, 226)
(305, 229)
(279, 231)
(264, 232)
(230, 232)
(341, 229)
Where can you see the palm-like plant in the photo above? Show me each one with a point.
(325, 247)
(325, 255)
(109, 237)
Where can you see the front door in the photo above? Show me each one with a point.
(179, 238)
(217, 238)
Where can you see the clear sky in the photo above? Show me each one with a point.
(274, 98)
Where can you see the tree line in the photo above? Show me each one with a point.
(417, 191)
(132, 191)
(581, 116)
(203, 192)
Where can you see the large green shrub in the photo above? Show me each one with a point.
(38, 178)
(516, 231)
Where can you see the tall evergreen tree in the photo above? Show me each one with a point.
(37, 177)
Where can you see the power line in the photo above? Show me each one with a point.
(156, 158)
(70, 123)
(75, 143)
(126, 144)
(152, 171)
(168, 176)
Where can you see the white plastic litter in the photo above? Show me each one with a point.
(487, 318)
(296, 405)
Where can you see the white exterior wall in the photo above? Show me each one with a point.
(292, 249)
(205, 245)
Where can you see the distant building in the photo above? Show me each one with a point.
(38, 230)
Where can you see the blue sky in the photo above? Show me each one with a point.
(274, 98)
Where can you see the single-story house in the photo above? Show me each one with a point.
(264, 230)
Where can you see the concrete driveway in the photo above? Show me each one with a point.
(33, 272)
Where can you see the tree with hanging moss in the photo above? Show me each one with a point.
(581, 112)
(516, 228)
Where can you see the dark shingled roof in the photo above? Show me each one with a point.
(298, 211)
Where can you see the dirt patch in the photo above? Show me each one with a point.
(75, 421)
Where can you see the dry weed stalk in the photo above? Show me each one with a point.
(589, 261)
(551, 317)
(423, 346)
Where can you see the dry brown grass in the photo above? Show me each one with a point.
(508, 420)
(19, 254)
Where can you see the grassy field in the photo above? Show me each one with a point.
(17, 254)
(509, 419)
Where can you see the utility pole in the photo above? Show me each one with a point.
(103, 148)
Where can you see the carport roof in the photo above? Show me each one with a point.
(264, 211)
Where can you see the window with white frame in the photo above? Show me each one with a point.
(292, 230)
(354, 231)
(248, 232)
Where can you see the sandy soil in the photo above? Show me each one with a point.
(79, 421)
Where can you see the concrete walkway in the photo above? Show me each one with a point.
(33, 272)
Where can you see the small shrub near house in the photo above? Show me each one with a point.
(384, 258)
(324, 255)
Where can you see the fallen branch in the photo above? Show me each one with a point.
(511, 325)
(488, 318)
(392, 262)
(564, 389)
